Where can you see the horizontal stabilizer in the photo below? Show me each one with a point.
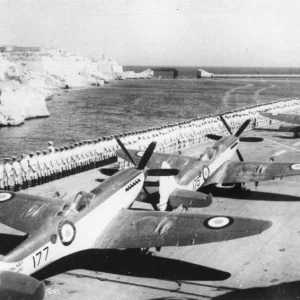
(162, 172)
(214, 137)
(250, 139)
(20, 287)
(109, 171)
(189, 199)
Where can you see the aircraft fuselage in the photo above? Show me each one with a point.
(76, 227)
(196, 175)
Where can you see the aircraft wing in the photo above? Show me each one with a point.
(288, 118)
(237, 172)
(143, 229)
(27, 213)
(179, 162)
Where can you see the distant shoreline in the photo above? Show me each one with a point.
(256, 76)
(233, 71)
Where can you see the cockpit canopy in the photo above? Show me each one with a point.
(81, 201)
(208, 155)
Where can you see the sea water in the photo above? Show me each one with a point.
(132, 105)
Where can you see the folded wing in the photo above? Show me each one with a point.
(237, 172)
(141, 229)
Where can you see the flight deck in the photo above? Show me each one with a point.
(259, 267)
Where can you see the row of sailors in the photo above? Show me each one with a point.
(55, 163)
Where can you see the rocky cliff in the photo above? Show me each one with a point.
(22, 93)
(27, 79)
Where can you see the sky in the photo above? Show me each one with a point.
(261, 33)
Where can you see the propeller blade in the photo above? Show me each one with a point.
(239, 155)
(214, 137)
(251, 139)
(242, 128)
(225, 124)
(147, 155)
(125, 151)
(108, 172)
(162, 172)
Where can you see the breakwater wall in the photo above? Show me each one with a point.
(256, 76)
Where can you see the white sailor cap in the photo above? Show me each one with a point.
(50, 143)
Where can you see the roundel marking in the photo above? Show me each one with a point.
(295, 167)
(6, 196)
(218, 222)
(205, 173)
(67, 233)
(140, 153)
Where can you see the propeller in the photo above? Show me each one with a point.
(237, 134)
(143, 163)
(145, 159)
(240, 130)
